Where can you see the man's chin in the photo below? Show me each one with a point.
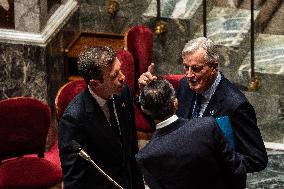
(119, 90)
(194, 88)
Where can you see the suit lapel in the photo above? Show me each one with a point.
(186, 100)
(121, 106)
(214, 106)
(188, 103)
(98, 120)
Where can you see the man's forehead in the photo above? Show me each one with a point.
(199, 51)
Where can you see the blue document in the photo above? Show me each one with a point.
(226, 127)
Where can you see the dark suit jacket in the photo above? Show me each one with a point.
(229, 101)
(85, 122)
(191, 154)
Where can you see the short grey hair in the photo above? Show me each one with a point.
(211, 53)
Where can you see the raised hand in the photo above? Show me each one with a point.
(146, 77)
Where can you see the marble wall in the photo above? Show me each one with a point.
(272, 177)
(55, 59)
(23, 71)
(32, 64)
(30, 15)
(7, 13)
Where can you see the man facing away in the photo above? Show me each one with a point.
(185, 153)
(204, 91)
(101, 120)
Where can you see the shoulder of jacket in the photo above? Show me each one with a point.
(203, 123)
(232, 94)
(183, 81)
(76, 106)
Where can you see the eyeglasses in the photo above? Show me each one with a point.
(194, 69)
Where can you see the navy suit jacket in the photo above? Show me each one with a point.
(229, 101)
(85, 122)
(191, 154)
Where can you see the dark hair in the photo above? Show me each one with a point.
(93, 60)
(157, 99)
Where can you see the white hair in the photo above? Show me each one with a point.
(211, 54)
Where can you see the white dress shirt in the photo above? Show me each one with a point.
(102, 103)
(166, 122)
(208, 94)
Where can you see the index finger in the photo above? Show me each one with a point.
(151, 68)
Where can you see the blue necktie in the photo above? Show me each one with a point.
(196, 106)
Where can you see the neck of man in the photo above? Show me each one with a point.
(212, 80)
(93, 90)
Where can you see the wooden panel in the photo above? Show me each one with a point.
(85, 40)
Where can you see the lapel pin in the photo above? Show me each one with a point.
(212, 112)
(123, 105)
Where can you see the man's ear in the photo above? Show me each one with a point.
(175, 101)
(142, 108)
(214, 65)
(214, 68)
(95, 83)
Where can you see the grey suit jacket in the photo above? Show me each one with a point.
(191, 154)
(229, 101)
(85, 122)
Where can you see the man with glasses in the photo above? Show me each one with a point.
(204, 91)
(185, 153)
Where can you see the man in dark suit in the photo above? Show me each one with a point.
(219, 98)
(101, 120)
(185, 153)
(205, 91)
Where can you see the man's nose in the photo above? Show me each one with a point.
(122, 77)
(189, 73)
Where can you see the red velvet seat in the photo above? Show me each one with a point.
(173, 79)
(29, 172)
(139, 42)
(127, 68)
(66, 93)
(24, 124)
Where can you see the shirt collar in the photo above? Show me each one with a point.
(209, 92)
(100, 100)
(166, 122)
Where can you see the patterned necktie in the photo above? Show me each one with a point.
(112, 118)
(196, 106)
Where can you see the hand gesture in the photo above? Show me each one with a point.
(146, 77)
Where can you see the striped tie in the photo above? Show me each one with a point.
(196, 106)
